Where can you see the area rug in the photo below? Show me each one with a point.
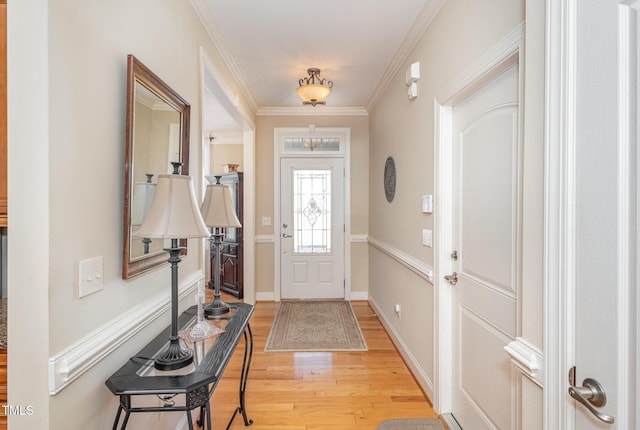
(315, 326)
(411, 424)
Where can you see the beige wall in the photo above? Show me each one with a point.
(66, 146)
(226, 154)
(461, 33)
(359, 153)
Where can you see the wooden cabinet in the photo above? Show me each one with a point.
(232, 264)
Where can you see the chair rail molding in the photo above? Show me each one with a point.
(527, 359)
(419, 267)
(69, 364)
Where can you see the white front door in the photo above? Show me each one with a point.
(312, 228)
(485, 209)
(599, 246)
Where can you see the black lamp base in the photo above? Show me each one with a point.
(216, 308)
(175, 357)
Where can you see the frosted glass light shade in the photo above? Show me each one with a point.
(143, 193)
(174, 213)
(217, 208)
(313, 92)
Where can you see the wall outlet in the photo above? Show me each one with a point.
(397, 309)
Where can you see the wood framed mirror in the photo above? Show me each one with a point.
(157, 133)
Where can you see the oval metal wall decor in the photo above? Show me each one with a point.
(389, 179)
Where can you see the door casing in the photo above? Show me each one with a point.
(560, 220)
(507, 53)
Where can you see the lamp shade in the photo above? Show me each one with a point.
(217, 208)
(174, 212)
(143, 193)
(313, 92)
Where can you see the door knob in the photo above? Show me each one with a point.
(285, 235)
(453, 278)
(590, 394)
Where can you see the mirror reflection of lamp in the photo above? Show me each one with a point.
(174, 214)
(143, 193)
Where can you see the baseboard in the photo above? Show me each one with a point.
(451, 422)
(265, 297)
(359, 295)
(68, 365)
(418, 373)
(270, 297)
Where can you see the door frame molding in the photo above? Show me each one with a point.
(507, 52)
(560, 216)
(559, 210)
(279, 134)
(211, 80)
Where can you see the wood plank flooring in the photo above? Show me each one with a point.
(320, 391)
(311, 391)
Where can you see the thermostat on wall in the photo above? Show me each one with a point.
(427, 204)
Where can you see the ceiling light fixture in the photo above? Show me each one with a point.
(313, 89)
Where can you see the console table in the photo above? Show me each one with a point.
(197, 381)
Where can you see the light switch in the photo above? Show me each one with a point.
(90, 276)
(266, 220)
(427, 238)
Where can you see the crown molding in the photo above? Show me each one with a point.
(218, 39)
(318, 110)
(418, 29)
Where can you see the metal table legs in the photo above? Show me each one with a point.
(246, 363)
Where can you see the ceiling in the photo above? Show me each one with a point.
(358, 44)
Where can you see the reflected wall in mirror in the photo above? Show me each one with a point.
(157, 133)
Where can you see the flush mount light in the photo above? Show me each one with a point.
(313, 89)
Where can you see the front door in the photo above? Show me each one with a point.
(602, 242)
(312, 228)
(484, 256)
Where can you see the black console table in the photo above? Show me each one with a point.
(197, 382)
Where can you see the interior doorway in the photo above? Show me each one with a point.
(228, 144)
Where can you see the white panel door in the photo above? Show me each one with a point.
(486, 210)
(312, 229)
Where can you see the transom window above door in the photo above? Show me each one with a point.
(303, 144)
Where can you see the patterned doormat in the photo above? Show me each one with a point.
(411, 424)
(315, 326)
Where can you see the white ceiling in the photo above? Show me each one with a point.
(358, 44)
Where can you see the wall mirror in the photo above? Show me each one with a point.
(157, 133)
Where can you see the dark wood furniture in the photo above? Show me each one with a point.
(232, 256)
(139, 378)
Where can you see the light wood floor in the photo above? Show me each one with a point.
(320, 391)
(312, 391)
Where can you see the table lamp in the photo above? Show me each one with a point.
(174, 215)
(218, 212)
